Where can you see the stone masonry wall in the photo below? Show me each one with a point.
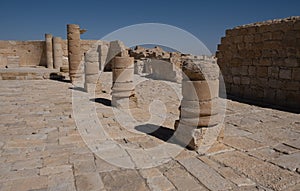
(32, 53)
(261, 62)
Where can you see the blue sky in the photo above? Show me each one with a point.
(207, 20)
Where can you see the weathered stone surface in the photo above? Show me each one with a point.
(205, 174)
(285, 149)
(293, 143)
(155, 180)
(39, 135)
(57, 52)
(242, 143)
(197, 69)
(123, 180)
(200, 90)
(61, 182)
(115, 49)
(74, 54)
(49, 50)
(250, 55)
(239, 180)
(261, 172)
(122, 89)
(265, 154)
(182, 180)
(288, 161)
(89, 181)
(55, 169)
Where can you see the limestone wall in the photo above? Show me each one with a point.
(26, 53)
(31, 53)
(261, 62)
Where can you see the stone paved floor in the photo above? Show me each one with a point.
(43, 148)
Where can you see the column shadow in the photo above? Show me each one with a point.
(163, 133)
(103, 101)
(58, 77)
(160, 132)
(77, 89)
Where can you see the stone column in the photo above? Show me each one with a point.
(123, 95)
(57, 52)
(91, 70)
(199, 108)
(49, 55)
(74, 52)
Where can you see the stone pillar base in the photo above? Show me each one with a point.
(196, 138)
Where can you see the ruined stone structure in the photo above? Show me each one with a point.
(57, 53)
(74, 53)
(115, 49)
(24, 53)
(33, 53)
(160, 64)
(91, 70)
(199, 107)
(123, 95)
(261, 62)
(49, 49)
(94, 59)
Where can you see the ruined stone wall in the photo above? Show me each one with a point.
(163, 65)
(32, 53)
(22, 53)
(261, 62)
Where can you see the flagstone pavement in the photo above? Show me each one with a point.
(55, 137)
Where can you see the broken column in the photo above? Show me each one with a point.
(123, 95)
(74, 53)
(49, 55)
(115, 49)
(91, 70)
(57, 52)
(199, 109)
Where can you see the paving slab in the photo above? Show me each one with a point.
(42, 146)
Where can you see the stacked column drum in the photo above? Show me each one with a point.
(74, 52)
(123, 95)
(199, 108)
(91, 70)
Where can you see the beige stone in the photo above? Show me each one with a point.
(49, 49)
(205, 174)
(200, 90)
(74, 52)
(123, 62)
(196, 108)
(57, 52)
(264, 173)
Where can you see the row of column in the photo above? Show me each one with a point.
(54, 52)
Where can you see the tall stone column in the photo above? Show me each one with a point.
(123, 95)
(74, 52)
(199, 108)
(49, 54)
(57, 52)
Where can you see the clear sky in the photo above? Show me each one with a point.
(207, 20)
